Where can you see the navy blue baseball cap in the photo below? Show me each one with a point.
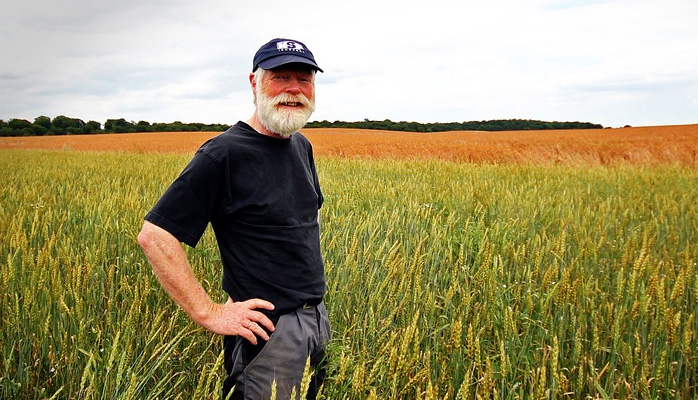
(278, 52)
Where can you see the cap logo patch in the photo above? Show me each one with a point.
(290, 46)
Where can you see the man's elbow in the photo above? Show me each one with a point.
(154, 237)
(146, 236)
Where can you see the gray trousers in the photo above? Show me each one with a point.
(298, 335)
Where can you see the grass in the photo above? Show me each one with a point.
(446, 280)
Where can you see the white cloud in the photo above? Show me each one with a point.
(614, 62)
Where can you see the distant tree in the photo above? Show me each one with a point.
(62, 125)
(119, 126)
(42, 125)
(21, 127)
(92, 127)
(5, 129)
(159, 127)
(143, 126)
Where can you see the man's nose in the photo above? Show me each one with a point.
(293, 87)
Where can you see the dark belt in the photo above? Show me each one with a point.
(311, 303)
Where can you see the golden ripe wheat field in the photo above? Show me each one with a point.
(655, 144)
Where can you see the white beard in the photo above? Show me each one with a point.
(283, 122)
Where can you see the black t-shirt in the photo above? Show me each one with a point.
(261, 195)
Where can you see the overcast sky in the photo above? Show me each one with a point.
(613, 62)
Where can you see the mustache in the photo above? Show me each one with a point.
(293, 100)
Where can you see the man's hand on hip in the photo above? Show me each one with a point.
(240, 319)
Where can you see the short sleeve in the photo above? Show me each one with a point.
(186, 208)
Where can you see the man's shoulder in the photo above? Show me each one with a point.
(302, 141)
(301, 137)
(220, 145)
(228, 135)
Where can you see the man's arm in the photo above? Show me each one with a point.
(172, 269)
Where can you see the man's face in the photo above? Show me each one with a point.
(286, 99)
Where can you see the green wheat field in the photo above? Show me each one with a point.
(446, 281)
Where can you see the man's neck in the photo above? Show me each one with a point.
(257, 125)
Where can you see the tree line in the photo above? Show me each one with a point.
(62, 125)
(490, 125)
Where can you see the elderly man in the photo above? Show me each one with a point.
(257, 186)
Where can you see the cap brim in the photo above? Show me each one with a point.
(286, 59)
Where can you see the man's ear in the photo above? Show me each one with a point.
(252, 82)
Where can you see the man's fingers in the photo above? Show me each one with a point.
(258, 303)
(249, 335)
(252, 330)
(258, 317)
(246, 320)
(266, 322)
(258, 331)
(261, 320)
